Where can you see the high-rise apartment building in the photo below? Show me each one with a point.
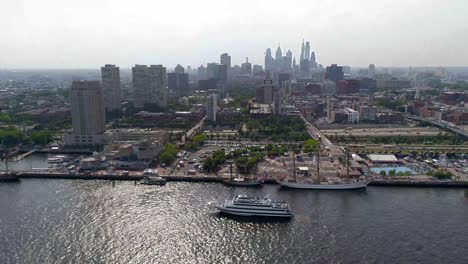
(88, 114)
(178, 84)
(149, 85)
(111, 87)
(212, 107)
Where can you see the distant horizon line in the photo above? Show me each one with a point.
(195, 67)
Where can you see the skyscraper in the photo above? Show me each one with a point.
(178, 84)
(149, 85)
(202, 72)
(225, 59)
(313, 61)
(278, 59)
(307, 51)
(334, 73)
(302, 52)
(111, 87)
(179, 69)
(217, 71)
(88, 113)
(264, 93)
(246, 67)
(371, 70)
(212, 107)
(287, 62)
(269, 61)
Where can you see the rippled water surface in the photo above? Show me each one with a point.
(65, 221)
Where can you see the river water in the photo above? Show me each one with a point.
(77, 221)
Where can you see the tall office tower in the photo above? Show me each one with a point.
(87, 111)
(211, 70)
(246, 67)
(179, 69)
(149, 85)
(304, 62)
(295, 70)
(212, 107)
(334, 73)
(269, 61)
(371, 70)
(111, 87)
(313, 61)
(277, 101)
(278, 59)
(217, 72)
(225, 59)
(287, 62)
(202, 73)
(257, 69)
(307, 51)
(264, 93)
(178, 84)
(302, 52)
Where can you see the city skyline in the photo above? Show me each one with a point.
(356, 34)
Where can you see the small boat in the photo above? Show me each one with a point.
(56, 159)
(153, 180)
(239, 182)
(243, 205)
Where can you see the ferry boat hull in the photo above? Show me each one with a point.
(9, 178)
(243, 205)
(243, 183)
(308, 186)
(252, 213)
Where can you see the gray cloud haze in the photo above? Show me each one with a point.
(90, 33)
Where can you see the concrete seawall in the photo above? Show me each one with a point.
(193, 178)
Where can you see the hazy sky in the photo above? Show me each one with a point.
(90, 33)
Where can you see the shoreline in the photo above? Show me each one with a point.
(193, 178)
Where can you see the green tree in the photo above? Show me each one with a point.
(11, 136)
(41, 137)
(310, 145)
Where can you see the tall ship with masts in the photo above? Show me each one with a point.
(241, 182)
(349, 185)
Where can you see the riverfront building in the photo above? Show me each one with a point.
(88, 114)
(111, 87)
(149, 85)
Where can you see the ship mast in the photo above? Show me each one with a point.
(294, 166)
(347, 163)
(318, 163)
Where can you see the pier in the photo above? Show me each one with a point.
(217, 179)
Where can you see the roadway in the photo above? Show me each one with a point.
(440, 123)
(315, 133)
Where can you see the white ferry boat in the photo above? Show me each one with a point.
(151, 177)
(243, 205)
